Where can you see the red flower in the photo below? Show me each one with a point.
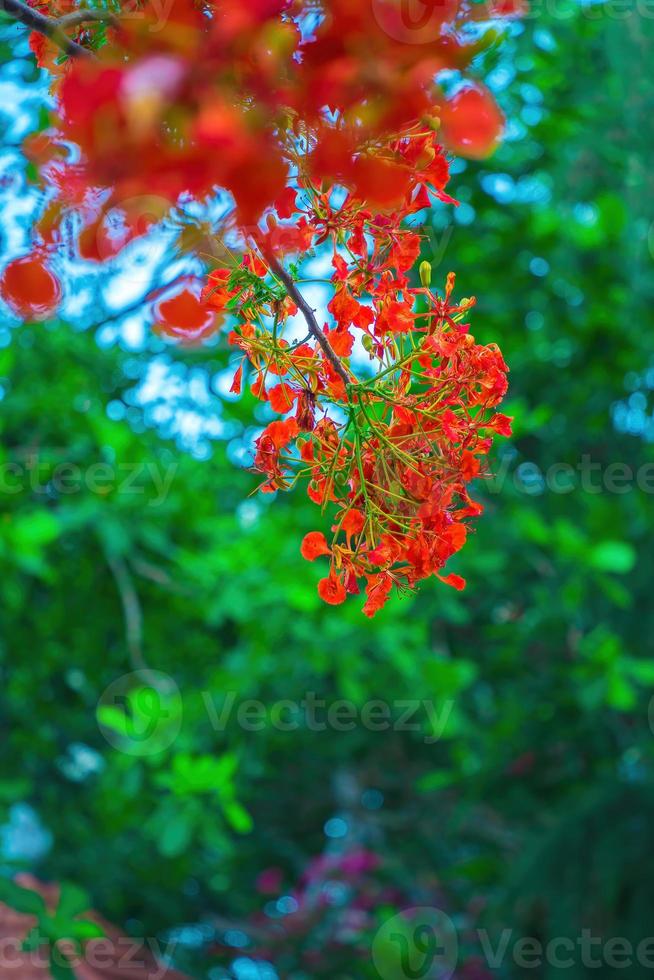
(472, 124)
(235, 387)
(29, 287)
(314, 544)
(281, 433)
(501, 424)
(331, 589)
(456, 581)
(281, 398)
(185, 316)
(378, 591)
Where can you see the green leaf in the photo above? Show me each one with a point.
(238, 817)
(620, 693)
(86, 929)
(613, 556)
(35, 529)
(73, 901)
(435, 780)
(113, 718)
(21, 899)
(175, 836)
(641, 670)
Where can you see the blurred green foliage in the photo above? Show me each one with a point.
(530, 807)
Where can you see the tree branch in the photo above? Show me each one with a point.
(155, 574)
(54, 28)
(309, 316)
(131, 610)
(133, 617)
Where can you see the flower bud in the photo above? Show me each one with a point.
(425, 273)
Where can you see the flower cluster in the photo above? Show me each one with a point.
(326, 125)
(389, 411)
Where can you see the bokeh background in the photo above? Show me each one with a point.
(143, 607)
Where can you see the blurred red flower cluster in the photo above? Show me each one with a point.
(220, 94)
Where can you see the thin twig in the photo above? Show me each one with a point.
(309, 316)
(131, 610)
(134, 624)
(155, 574)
